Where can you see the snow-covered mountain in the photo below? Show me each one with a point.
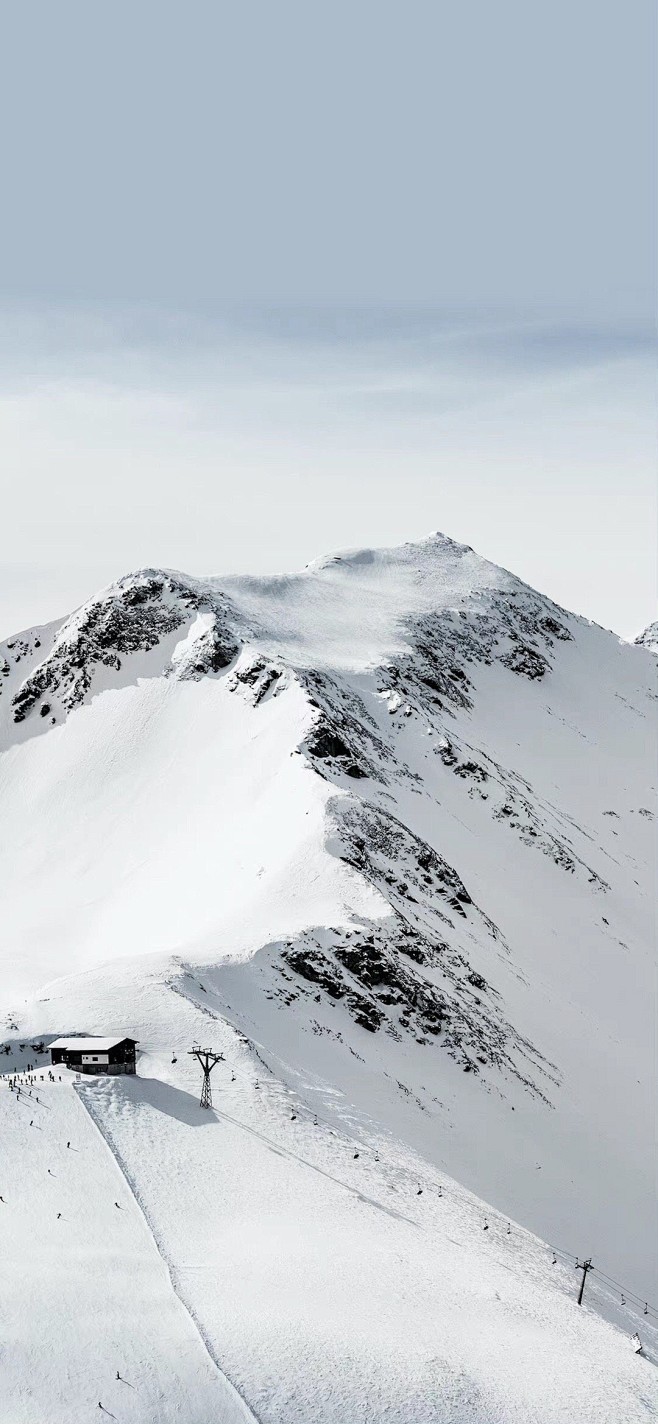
(383, 831)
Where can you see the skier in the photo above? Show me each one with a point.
(59, 1215)
(637, 1343)
(3, 1200)
(117, 1206)
(68, 1144)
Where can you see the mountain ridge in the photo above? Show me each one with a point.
(397, 805)
(143, 602)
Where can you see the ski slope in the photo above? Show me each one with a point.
(86, 1293)
(322, 1281)
(384, 831)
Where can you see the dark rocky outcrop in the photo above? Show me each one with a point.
(132, 616)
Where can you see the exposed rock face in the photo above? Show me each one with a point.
(649, 638)
(517, 629)
(387, 980)
(395, 723)
(392, 818)
(133, 617)
(325, 745)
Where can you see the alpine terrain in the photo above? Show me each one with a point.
(382, 834)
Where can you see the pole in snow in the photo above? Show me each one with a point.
(583, 1266)
(207, 1058)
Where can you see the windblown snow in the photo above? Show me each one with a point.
(382, 833)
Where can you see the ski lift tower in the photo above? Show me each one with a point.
(207, 1058)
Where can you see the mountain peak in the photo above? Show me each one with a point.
(347, 612)
(408, 552)
(391, 817)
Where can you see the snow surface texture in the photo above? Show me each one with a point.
(381, 831)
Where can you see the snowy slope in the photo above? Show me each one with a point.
(329, 1273)
(392, 820)
(84, 1290)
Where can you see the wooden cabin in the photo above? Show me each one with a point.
(95, 1055)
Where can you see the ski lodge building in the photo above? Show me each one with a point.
(95, 1055)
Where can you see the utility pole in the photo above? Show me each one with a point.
(583, 1266)
(207, 1058)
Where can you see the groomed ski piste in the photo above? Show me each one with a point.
(380, 833)
(274, 1258)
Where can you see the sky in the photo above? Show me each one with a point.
(277, 280)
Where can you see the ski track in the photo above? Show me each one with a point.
(64, 1363)
(113, 1150)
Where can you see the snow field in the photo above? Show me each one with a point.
(87, 1294)
(330, 1290)
(181, 815)
(157, 847)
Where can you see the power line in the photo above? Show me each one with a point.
(306, 1114)
(609, 1281)
(208, 1060)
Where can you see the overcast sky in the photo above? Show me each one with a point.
(281, 279)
